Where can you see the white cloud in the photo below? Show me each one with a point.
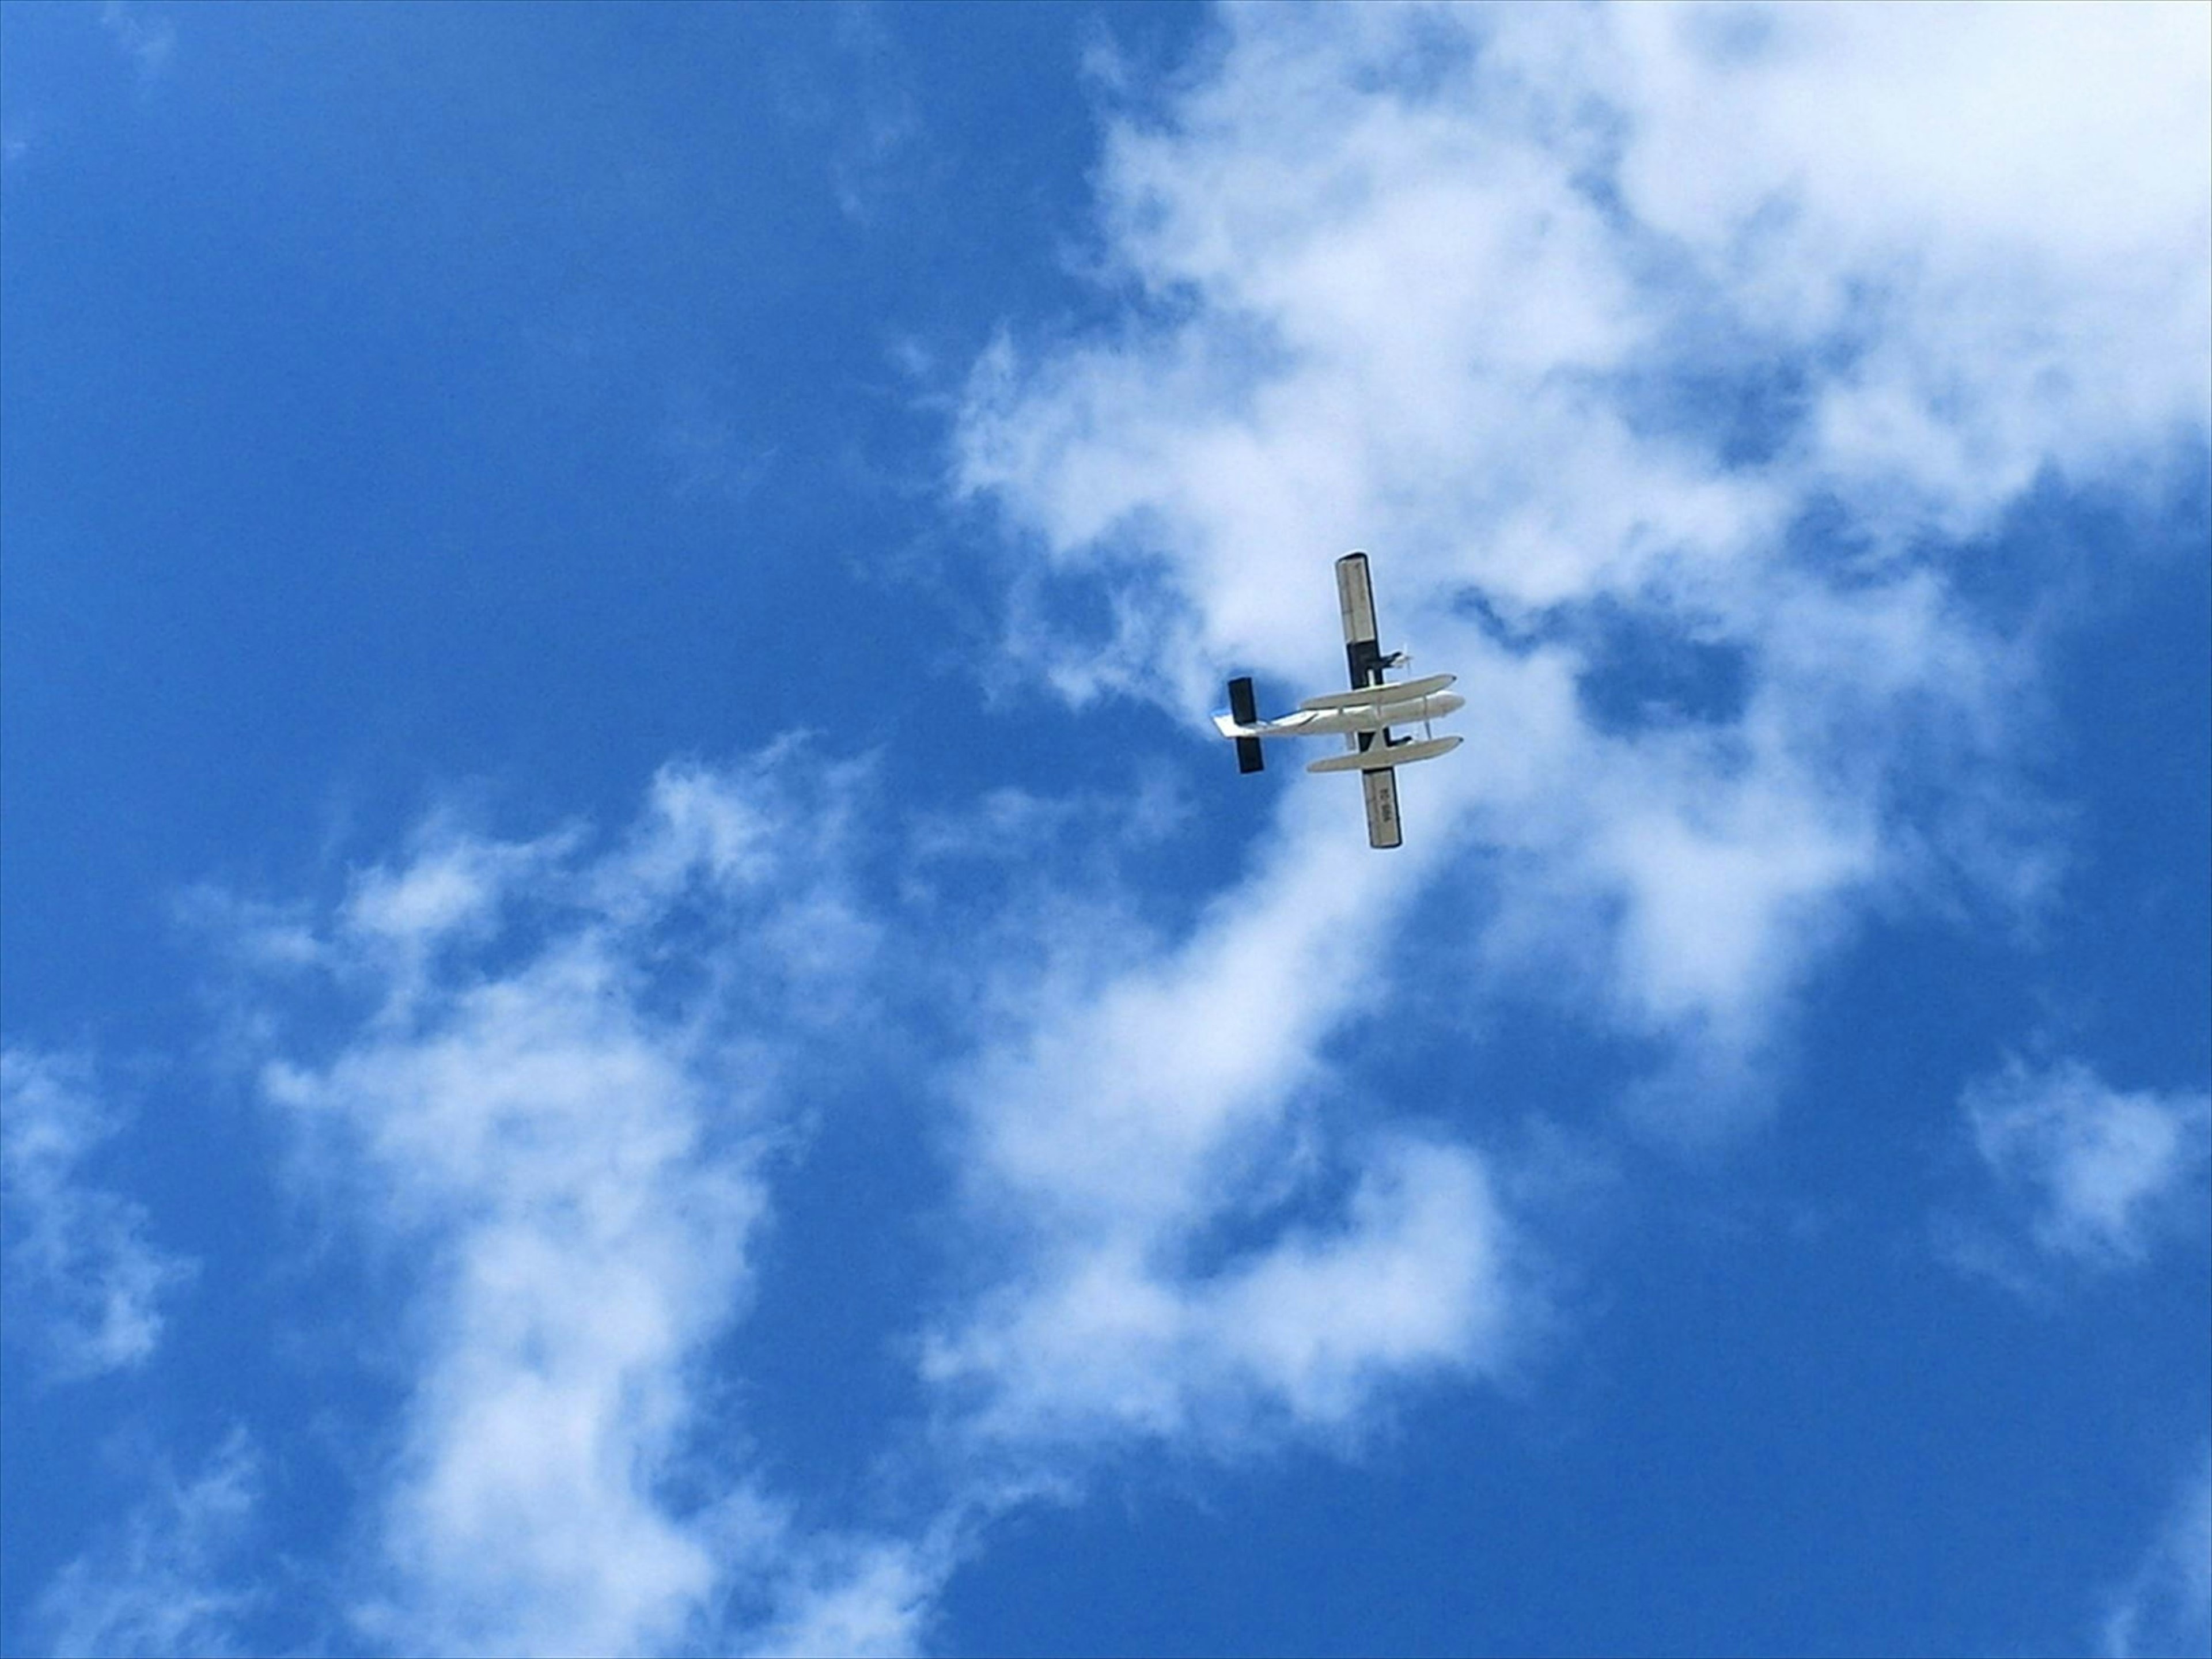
(84, 1280)
(861, 1598)
(1148, 1161)
(2101, 1174)
(1589, 312)
(2166, 1606)
(167, 1580)
(548, 1114)
(2004, 214)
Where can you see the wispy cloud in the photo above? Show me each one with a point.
(864, 1597)
(85, 1282)
(872, 125)
(549, 1109)
(880, 134)
(2098, 1176)
(173, 1577)
(147, 39)
(709, 461)
(2166, 1606)
(1191, 1248)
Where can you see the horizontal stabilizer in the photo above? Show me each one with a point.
(1383, 757)
(1405, 691)
(1355, 601)
(1243, 711)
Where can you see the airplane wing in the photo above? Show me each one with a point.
(1370, 757)
(1382, 790)
(1355, 598)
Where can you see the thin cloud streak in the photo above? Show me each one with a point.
(2165, 1608)
(173, 1577)
(147, 40)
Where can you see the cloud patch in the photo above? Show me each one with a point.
(170, 1578)
(147, 40)
(2166, 1605)
(85, 1282)
(1191, 1248)
(2097, 1176)
(549, 1111)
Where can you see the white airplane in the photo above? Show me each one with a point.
(1364, 714)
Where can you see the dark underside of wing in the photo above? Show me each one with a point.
(1355, 600)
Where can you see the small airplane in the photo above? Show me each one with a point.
(1364, 714)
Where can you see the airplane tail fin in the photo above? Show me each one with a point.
(1245, 712)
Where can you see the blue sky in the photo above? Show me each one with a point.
(641, 1016)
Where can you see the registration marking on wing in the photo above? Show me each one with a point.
(1381, 787)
